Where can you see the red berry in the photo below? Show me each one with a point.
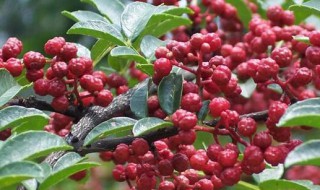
(198, 161)
(221, 75)
(180, 162)
(162, 66)
(274, 155)
(191, 102)
(54, 45)
(68, 51)
(288, 18)
(165, 168)
(56, 88)
(204, 184)
(301, 77)
(268, 37)
(228, 158)
(34, 60)
(166, 185)
(12, 48)
(79, 175)
(184, 120)
(101, 75)
(218, 105)
(118, 173)
(238, 55)
(247, 126)
(115, 80)
(283, 56)
(103, 98)
(41, 87)
(253, 155)
(161, 52)
(60, 104)
(315, 38)
(276, 110)
(59, 69)
(14, 66)
(230, 176)
(77, 66)
(91, 83)
(190, 87)
(122, 89)
(131, 171)
(217, 183)
(140, 146)
(106, 156)
(313, 54)
(262, 140)
(213, 151)
(121, 154)
(33, 75)
(153, 103)
(188, 137)
(197, 40)
(146, 182)
(274, 13)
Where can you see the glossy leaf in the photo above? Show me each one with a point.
(82, 51)
(111, 9)
(9, 87)
(247, 88)
(81, 16)
(64, 173)
(100, 49)
(30, 145)
(306, 112)
(303, 39)
(138, 102)
(242, 185)
(304, 10)
(149, 124)
(117, 63)
(114, 125)
(128, 53)
(16, 172)
(286, 184)
(170, 92)
(305, 154)
(269, 173)
(148, 46)
(244, 12)
(66, 160)
(98, 29)
(16, 115)
(146, 68)
(204, 110)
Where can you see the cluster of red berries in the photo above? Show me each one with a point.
(59, 124)
(304, 173)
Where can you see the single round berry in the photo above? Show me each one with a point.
(276, 110)
(218, 105)
(56, 88)
(188, 137)
(274, 155)
(230, 176)
(190, 87)
(122, 89)
(238, 55)
(140, 146)
(315, 38)
(54, 45)
(162, 66)
(121, 154)
(103, 98)
(91, 83)
(106, 156)
(166, 185)
(274, 13)
(41, 87)
(161, 52)
(34, 75)
(184, 120)
(131, 171)
(146, 182)
(180, 162)
(153, 103)
(14, 66)
(247, 126)
(213, 151)
(301, 77)
(221, 75)
(115, 80)
(12, 48)
(283, 56)
(197, 40)
(79, 175)
(60, 69)
(262, 140)
(68, 51)
(191, 102)
(198, 161)
(204, 184)
(77, 66)
(165, 167)
(118, 173)
(228, 158)
(101, 75)
(253, 155)
(313, 54)
(34, 60)
(60, 104)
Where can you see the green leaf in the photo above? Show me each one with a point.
(244, 12)
(82, 51)
(100, 49)
(303, 39)
(135, 17)
(16, 172)
(81, 16)
(117, 63)
(270, 173)
(286, 185)
(146, 68)
(261, 8)
(148, 46)
(30, 145)
(111, 9)
(149, 124)
(9, 87)
(138, 102)
(305, 154)
(304, 10)
(64, 173)
(66, 160)
(306, 112)
(242, 185)
(128, 53)
(114, 125)
(30, 184)
(204, 110)
(160, 24)
(170, 92)
(247, 88)
(28, 117)
(98, 29)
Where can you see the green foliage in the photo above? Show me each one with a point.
(127, 53)
(306, 9)
(305, 113)
(272, 173)
(286, 184)
(204, 110)
(149, 124)
(138, 102)
(9, 87)
(170, 92)
(112, 126)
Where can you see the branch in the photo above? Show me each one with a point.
(32, 102)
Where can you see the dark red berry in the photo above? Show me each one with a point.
(274, 155)
(247, 126)
(165, 167)
(103, 98)
(79, 175)
(14, 66)
(121, 154)
(140, 146)
(54, 45)
(34, 75)
(106, 156)
(115, 80)
(313, 54)
(34, 60)
(41, 87)
(162, 66)
(253, 155)
(77, 66)
(262, 140)
(283, 56)
(166, 185)
(12, 48)
(56, 88)
(218, 105)
(91, 83)
(101, 75)
(191, 102)
(315, 38)
(213, 151)
(59, 69)
(60, 104)
(227, 158)
(68, 51)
